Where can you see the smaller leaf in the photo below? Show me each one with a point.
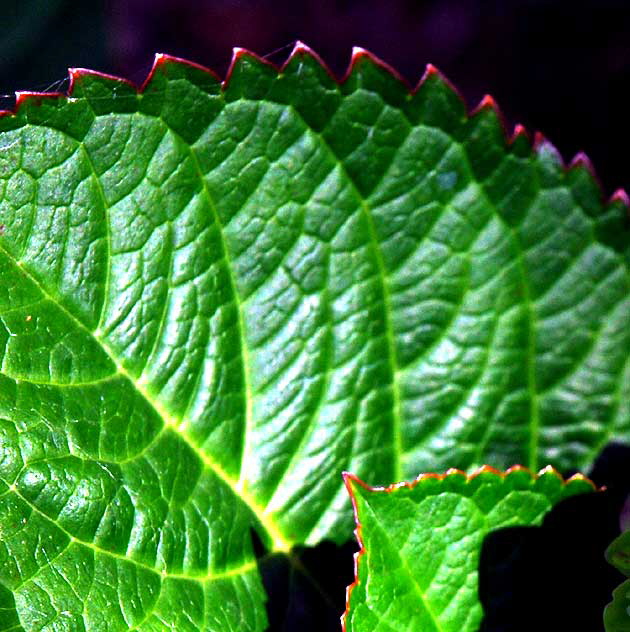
(617, 612)
(618, 553)
(421, 542)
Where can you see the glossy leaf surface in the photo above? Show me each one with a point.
(216, 297)
(421, 542)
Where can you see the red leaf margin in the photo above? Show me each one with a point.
(579, 161)
(349, 478)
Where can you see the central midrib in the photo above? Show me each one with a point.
(279, 542)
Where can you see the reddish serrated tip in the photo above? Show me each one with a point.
(487, 103)
(239, 53)
(300, 48)
(162, 59)
(549, 469)
(359, 53)
(583, 479)
(431, 70)
(453, 471)
(539, 140)
(79, 73)
(519, 131)
(581, 160)
(486, 469)
(541, 143)
(620, 195)
(76, 74)
(34, 98)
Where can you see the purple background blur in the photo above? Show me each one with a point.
(557, 66)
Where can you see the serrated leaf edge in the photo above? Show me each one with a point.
(539, 142)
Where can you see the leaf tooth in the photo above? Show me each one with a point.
(620, 196)
(436, 101)
(368, 72)
(582, 161)
(583, 479)
(300, 49)
(162, 60)
(80, 75)
(361, 57)
(519, 130)
(25, 98)
(240, 55)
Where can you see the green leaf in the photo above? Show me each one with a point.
(617, 612)
(421, 541)
(216, 297)
(618, 553)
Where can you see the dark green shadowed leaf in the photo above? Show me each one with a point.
(617, 613)
(421, 542)
(215, 297)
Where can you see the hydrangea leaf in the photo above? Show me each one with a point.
(421, 542)
(617, 612)
(216, 296)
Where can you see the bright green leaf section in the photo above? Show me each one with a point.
(418, 569)
(215, 298)
(617, 612)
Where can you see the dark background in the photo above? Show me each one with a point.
(559, 67)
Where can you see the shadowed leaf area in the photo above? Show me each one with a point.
(555, 576)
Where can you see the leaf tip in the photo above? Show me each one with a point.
(582, 161)
(300, 48)
(620, 196)
(23, 98)
(348, 477)
(431, 70)
(488, 101)
(487, 104)
(540, 140)
(360, 54)
(164, 61)
(359, 51)
(580, 478)
(520, 132)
